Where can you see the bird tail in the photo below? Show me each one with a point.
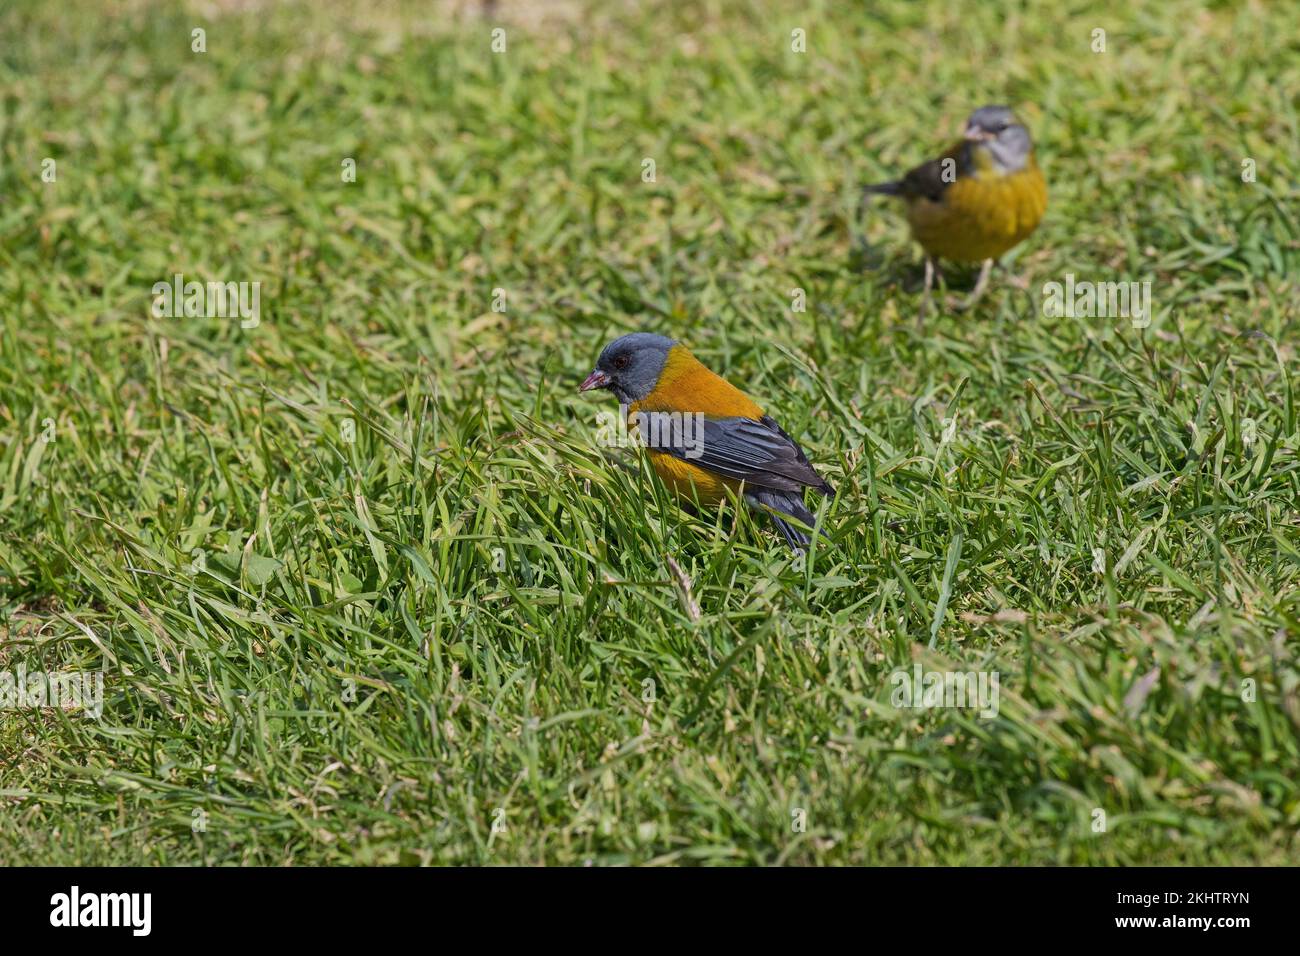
(782, 504)
(886, 189)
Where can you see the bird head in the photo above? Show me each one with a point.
(630, 366)
(998, 139)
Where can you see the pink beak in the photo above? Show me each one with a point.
(596, 379)
(975, 134)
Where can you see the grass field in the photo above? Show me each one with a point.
(366, 589)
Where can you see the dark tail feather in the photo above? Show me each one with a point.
(886, 189)
(796, 539)
(780, 504)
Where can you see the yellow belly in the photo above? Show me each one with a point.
(980, 216)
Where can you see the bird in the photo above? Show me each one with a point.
(979, 199)
(705, 438)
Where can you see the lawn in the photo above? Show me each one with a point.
(366, 588)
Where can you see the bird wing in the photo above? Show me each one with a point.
(931, 180)
(755, 451)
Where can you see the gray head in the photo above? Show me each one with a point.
(995, 132)
(630, 366)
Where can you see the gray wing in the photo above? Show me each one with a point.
(755, 451)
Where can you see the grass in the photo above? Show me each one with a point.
(322, 650)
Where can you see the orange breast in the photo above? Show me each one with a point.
(980, 216)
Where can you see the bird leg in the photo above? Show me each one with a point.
(931, 271)
(980, 284)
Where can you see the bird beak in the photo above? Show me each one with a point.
(976, 134)
(597, 379)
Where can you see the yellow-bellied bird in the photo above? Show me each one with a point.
(978, 199)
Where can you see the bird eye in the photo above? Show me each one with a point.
(620, 362)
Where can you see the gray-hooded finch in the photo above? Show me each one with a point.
(707, 437)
